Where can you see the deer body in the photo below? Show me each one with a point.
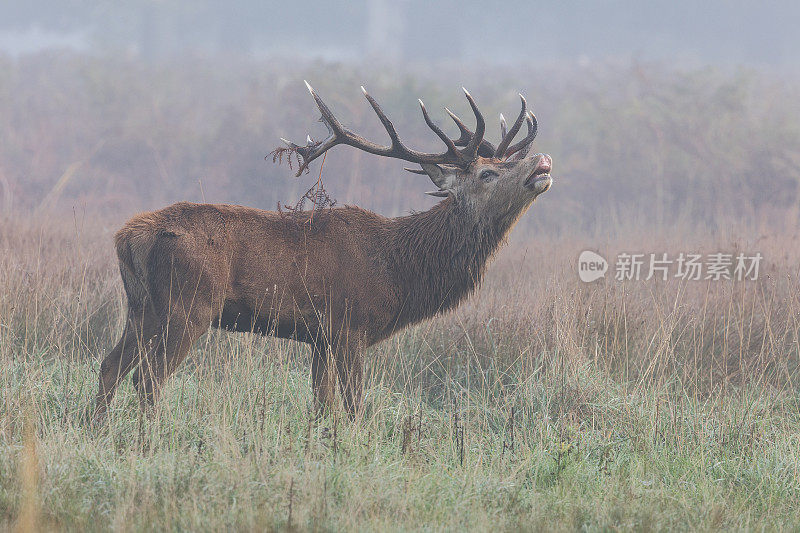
(261, 271)
(340, 279)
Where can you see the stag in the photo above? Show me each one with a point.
(345, 282)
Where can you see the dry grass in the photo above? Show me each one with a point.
(542, 403)
(648, 405)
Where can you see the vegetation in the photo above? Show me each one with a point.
(543, 403)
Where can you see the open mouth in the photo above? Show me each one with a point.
(540, 180)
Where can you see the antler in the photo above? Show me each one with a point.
(338, 134)
(486, 149)
(509, 136)
(502, 151)
(524, 145)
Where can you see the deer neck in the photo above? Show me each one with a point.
(439, 257)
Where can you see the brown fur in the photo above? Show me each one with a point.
(346, 281)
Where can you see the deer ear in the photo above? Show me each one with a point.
(442, 176)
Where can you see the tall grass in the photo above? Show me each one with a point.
(541, 403)
(544, 402)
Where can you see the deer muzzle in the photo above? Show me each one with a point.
(539, 180)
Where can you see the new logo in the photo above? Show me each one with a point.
(591, 266)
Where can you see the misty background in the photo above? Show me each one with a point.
(656, 114)
(506, 33)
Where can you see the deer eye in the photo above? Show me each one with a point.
(488, 175)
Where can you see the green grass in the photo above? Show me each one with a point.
(232, 445)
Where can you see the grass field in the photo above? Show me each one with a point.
(543, 403)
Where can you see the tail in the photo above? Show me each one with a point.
(134, 242)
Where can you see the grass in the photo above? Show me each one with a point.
(236, 448)
(543, 403)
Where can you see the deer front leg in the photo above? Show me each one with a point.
(322, 380)
(349, 367)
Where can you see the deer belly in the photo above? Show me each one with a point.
(287, 323)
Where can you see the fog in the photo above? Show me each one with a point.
(656, 114)
(679, 32)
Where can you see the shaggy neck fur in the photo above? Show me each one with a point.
(439, 257)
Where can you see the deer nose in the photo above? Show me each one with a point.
(544, 165)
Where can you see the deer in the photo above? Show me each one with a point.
(343, 283)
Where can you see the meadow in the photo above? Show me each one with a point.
(543, 403)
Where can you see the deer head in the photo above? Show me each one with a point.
(495, 183)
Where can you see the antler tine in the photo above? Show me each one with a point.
(503, 127)
(387, 124)
(524, 144)
(466, 133)
(414, 170)
(508, 137)
(327, 116)
(471, 150)
(451, 147)
(486, 149)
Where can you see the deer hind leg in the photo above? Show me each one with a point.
(180, 333)
(121, 359)
(181, 296)
(322, 377)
